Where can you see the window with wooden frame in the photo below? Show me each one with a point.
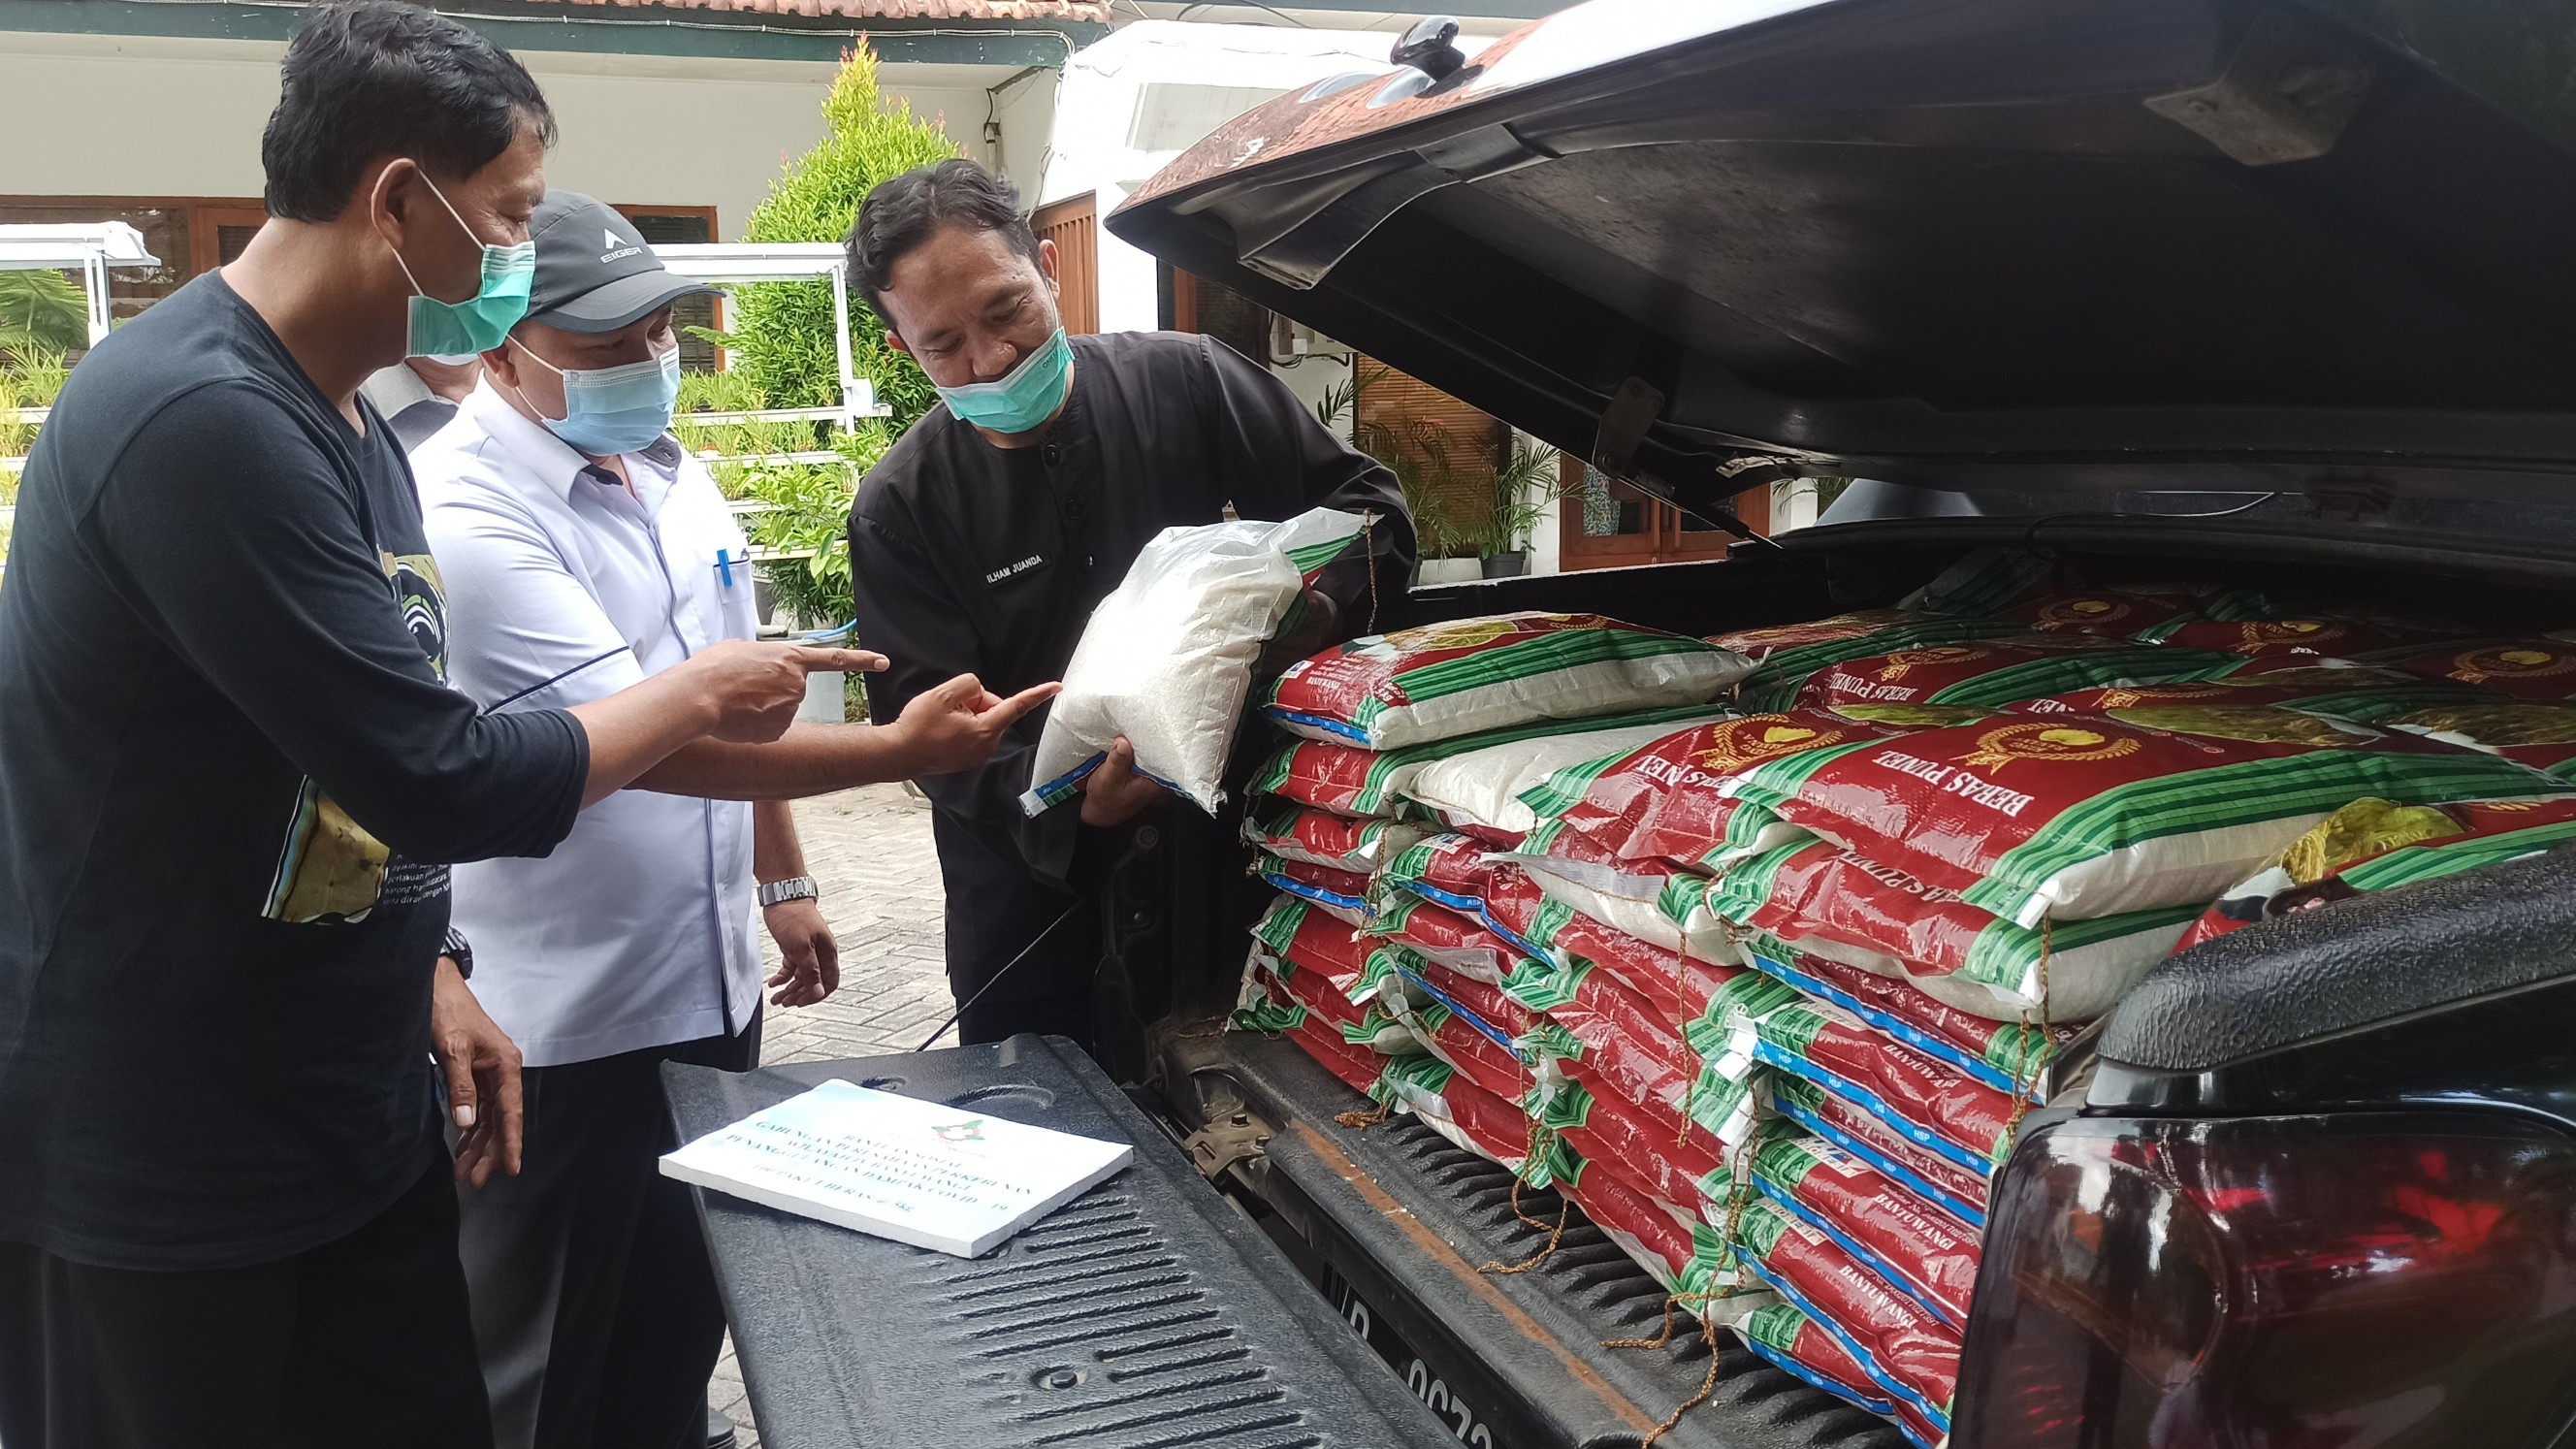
(686, 226)
(191, 235)
(1604, 523)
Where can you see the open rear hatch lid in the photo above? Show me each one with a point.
(2222, 245)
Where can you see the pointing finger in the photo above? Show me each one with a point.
(1006, 712)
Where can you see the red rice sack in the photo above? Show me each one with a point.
(2117, 612)
(1925, 1100)
(1664, 1077)
(1668, 908)
(1349, 779)
(1795, 1344)
(2332, 634)
(1678, 987)
(1921, 1250)
(2372, 845)
(1470, 1045)
(2541, 669)
(1458, 942)
(1319, 837)
(1672, 798)
(2306, 683)
(1834, 903)
(1315, 1011)
(2005, 1055)
(1473, 1119)
(1343, 892)
(2542, 736)
(1792, 655)
(1902, 1346)
(2002, 671)
(1451, 868)
(1683, 1255)
(1466, 676)
(1608, 1133)
(2084, 816)
(1931, 1176)
(1480, 790)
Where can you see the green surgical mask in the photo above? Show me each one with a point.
(483, 321)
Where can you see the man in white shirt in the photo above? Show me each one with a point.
(584, 549)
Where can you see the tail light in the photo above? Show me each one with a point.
(2334, 1282)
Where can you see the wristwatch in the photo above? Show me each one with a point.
(794, 888)
(456, 949)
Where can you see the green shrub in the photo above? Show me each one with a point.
(41, 312)
(781, 342)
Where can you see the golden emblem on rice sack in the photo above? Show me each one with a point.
(2359, 831)
(2256, 726)
(2062, 743)
(1900, 663)
(2288, 631)
(2514, 662)
(2500, 725)
(2080, 611)
(1737, 743)
(2126, 698)
(1925, 716)
(1469, 635)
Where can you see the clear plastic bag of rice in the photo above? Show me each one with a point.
(1167, 658)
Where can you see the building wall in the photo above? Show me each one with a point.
(154, 116)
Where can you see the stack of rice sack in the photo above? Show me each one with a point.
(1954, 851)
(1401, 957)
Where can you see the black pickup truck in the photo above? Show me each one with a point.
(2251, 290)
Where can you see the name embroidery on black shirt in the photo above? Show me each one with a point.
(1015, 570)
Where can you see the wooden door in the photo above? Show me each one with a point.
(218, 230)
(1603, 523)
(1073, 224)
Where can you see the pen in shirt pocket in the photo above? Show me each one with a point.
(727, 560)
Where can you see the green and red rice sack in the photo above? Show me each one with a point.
(1925, 1100)
(2311, 685)
(2373, 845)
(1344, 892)
(1479, 791)
(1791, 655)
(2540, 669)
(1930, 1176)
(1672, 799)
(2005, 1055)
(1467, 676)
(1918, 1248)
(1903, 1347)
(1835, 903)
(1987, 673)
(1304, 833)
(2085, 816)
(2542, 736)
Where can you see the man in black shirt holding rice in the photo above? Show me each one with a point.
(231, 777)
(983, 539)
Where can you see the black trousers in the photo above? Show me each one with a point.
(996, 910)
(363, 1341)
(594, 1304)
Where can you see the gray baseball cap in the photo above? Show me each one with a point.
(595, 273)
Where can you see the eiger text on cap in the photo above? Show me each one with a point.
(595, 273)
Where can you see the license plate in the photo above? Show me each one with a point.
(1472, 1424)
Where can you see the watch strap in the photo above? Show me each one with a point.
(794, 888)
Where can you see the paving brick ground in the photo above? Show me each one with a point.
(870, 850)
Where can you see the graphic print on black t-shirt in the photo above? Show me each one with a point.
(328, 867)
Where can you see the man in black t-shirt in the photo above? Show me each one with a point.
(231, 777)
(984, 538)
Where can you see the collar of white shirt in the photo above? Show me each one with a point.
(539, 454)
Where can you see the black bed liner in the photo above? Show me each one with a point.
(1408, 1220)
(1146, 1314)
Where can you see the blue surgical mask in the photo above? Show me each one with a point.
(480, 323)
(610, 410)
(1022, 399)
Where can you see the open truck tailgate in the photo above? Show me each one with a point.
(1148, 1312)
(1405, 1224)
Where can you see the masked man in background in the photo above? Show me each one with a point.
(983, 539)
(584, 551)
